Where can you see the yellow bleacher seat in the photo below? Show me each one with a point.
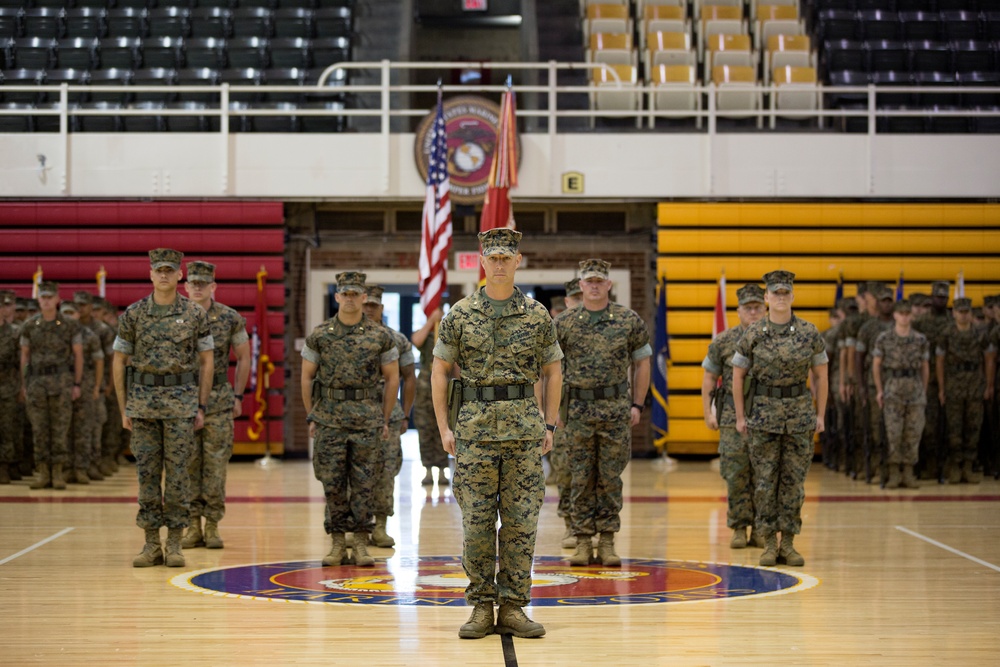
(614, 88)
(737, 90)
(716, 12)
(610, 40)
(728, 50)
(606, 18)
(672, 90)
(783, 50)
(719, 26)
(663, 12)
(796, 91)
(607, 11)
(773, 12)
(756, 4)
(764, 30)
(669, 48)
(701, 7)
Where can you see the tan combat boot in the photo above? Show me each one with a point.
(953, 472)
(14, 470)
(4, 474)
(193, 537)
(361, 557)
(94, 473)
(175, 553)
(80, 476)
(895, 479)
(770, 555)
(380, 538)
(480, 623)
(428, 479)
(511, 620)
(212, 538)
(787, 553)
(756, 539)
(739, 539)
(442, 479)
(151, 553)
(337, 550)
(970, 476)
(909, 479)
(584, 551)
(606, 551)
(106, 468)
(44, 478)
(58, 482)
(569, 539)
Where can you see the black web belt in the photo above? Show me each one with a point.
(901, 372)
(152, 380)
(348, 394)
(50, 370)
(966, 367)
(782, 392)
(502, 392)
(220, 379)
(613, 391)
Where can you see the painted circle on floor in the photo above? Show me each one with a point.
(441, 581)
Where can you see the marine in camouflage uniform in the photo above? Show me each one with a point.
(504, 343)
(52, 363)
(865, 383)
(213, 444)
(901, 368)
(720, 415)
(606, 374)
(932, 324)
(99, 467)
(834, 442)
(343, 362)
(114, 438)
(778, 355)
(84, 425)
(10, 388)
(393, 449)
(965, 373)
(168, 341)
(432, 454)
(559, 456)
(849, 394)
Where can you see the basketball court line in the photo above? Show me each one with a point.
(36, 545)
(953, 550)
(509, 657)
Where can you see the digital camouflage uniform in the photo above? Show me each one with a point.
(431, 450)
(112, 433)
(964, 386)
(163, 342)
(50, 384)
(903, 395)
(734, 452)
(86, 425)
(559, 456)
(347, 450)
(107, 337)
(10, 387)
(833, 454)
(781, 429)
(848, 340)
(213, 444)
(392, 461)
(498, 444)
(932, 326)
(864, 344)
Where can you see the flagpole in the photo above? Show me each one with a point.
(267, 461)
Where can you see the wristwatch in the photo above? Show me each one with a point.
(637, 407)
(203, 407)
(550, 427)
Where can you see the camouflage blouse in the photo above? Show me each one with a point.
(229, 330)
(719, 362)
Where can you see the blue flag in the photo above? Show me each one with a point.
(661, 345)
(899, 287)
(840, 290)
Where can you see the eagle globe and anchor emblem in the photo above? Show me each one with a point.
(472, 124)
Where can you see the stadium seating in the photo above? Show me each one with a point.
(672, 90)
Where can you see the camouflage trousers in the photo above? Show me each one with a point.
(874, 426)
(598, 452)
(213, 447)
(859, 427)
(431, 450)
(162, 449)
(392, 463)
(929, 445)
(112, 431)
(50, 419)
(559, 460)
(734, 466)
(780, 462)
(904, 425)
(86, 430)
(8, 430)
(963, 409)
(348, 463)
(499, 478)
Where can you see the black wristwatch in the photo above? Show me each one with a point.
(203, 407)
(550, 427)
(637, 407)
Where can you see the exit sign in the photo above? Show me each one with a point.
(467, 260)
(474, 5)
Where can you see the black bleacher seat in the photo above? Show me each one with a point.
(78, 52)
(13, 4)
(50, 4)
(264, 4)
(323, 123)
(331, 90)
(10, 22)
(20, 121)
(952, 5)
(879, 24)
(833, 24)
(69, 76)
(957, 25)
(941, 124)
(333, 22)
(930, 56)
(890, 78)
(85, 22)
(245, 76)
(169, 22)
(290, 76)
(211, 22)
(221, 4)
(123, 52)
(348, 4)
(286, 122)
(901, 124)
(330, 50)
(22, 77)
(932, 97)
(139, 4)
(971, 55)
(845, 54)
(50, 122)
(248, 52)
(871, 5)
(888, 54)
(977, 80)
(291, 52)
(293, 23)
(991, 26)
(42, 22)
(187, 123)
(32, 53)
(154, 76)
(165, 52)
(252, 22)
(920, 25)
(152, 123)
(111, 76)
(198, 76)
(97, 4)
(100, 123)
(915, 5)
(126, 22)
(205, 52)
(987, 124)
(296, 4)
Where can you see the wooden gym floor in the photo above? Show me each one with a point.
(891, 578)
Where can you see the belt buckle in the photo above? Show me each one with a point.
(169, 381)
(500, 393)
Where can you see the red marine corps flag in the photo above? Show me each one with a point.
(261, 366)
(719, 318)
(497, 211)
(435, 235)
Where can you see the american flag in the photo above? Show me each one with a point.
(435, 238)
(719, 323)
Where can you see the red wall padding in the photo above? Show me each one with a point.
(131, 213)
